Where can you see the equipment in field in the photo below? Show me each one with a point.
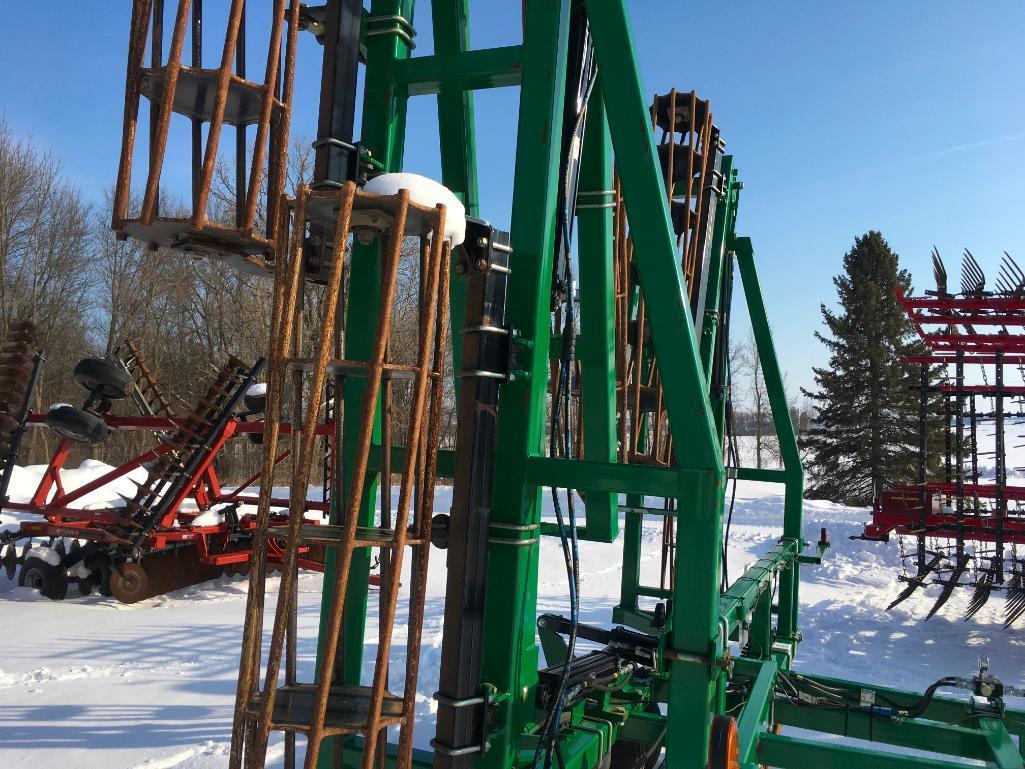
(158, 539)
(589, 347)
(968, 523)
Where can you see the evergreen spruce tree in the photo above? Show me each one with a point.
(864, 437)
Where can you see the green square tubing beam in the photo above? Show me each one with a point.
(755, 715)
(453, 68)
(696, 682)
(785, 752)
(945, 709)
(794, 473)
(510, 651)
(596, 349)
(932, 736)
(383, 133)
(456, 132)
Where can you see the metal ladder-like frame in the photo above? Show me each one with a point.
(327, 707)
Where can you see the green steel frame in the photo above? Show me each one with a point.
(695, 644)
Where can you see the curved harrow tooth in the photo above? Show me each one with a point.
(1014, 599)
(916, 582)
(950, 584)
(939, 271)
(973, 279)
(61, 549)
(24, 551)
(983, 590)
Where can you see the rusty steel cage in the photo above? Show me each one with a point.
(328, 706)
(215, 97)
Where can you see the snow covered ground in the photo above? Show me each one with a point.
(91, 683)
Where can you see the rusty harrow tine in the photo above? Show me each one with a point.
(297, 502)
(136, 57)
(171, 71)
(419, 586)
(213, 134)
(344, 557)
(288, 276)
(262, 127)
(422, 383)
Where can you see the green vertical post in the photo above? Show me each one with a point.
(794, 473)
(596, 347)
(695, 641)
(383, 133)
(510, 653)
(457, 138)
(720, 285)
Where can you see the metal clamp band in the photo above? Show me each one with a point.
(483, 329)
(403, 29)
(516, 526)
(481, 373)
(331, 142)
(453, 702)
(468, 750)
(596, 205)
(516, 542)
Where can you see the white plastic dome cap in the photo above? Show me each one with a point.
(425, 192)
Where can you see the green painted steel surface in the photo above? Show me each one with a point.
(384, 122)
(702, 620)
(794, 472)
(510, 655)
(596, 347)
(796, 753)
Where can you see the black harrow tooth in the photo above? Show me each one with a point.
(973, 279)
(950, 584)
(983, 590)
(916, 582)
(1014, 599)
(939, 271)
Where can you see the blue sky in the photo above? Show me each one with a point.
(904, 117)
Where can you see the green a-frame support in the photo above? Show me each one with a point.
(703, 619)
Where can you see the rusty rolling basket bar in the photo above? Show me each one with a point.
(329, 707)
(215, 96)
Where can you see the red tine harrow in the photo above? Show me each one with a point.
(966, 527)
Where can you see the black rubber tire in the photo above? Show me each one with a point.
(104, 378)
(256, 404)
(76, 424)
(47, 579)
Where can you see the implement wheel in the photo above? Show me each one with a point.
(131, 585)
(46, 578)
(104, 378)
(76, 425)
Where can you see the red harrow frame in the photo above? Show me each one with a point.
(966, 527)
(151, 544)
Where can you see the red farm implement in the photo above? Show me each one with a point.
(966, 521)
(180, 526)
